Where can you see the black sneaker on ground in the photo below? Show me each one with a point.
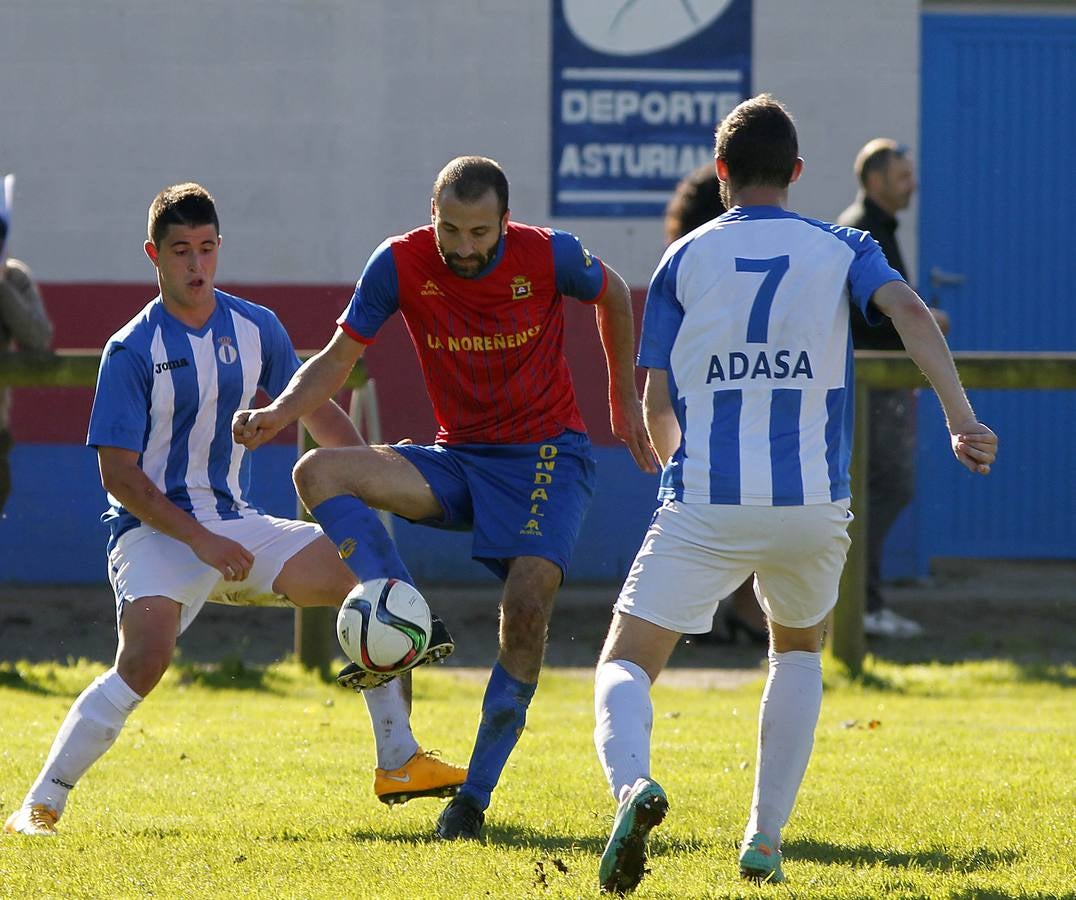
(461, 820)
(440, 647)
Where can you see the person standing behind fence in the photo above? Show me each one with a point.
(24, 325)
(697, 200)
(887, 182)
(748, 401)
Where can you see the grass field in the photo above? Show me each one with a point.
(927, 781)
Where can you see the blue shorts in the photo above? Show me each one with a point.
(518, 499)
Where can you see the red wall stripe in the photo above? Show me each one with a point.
(85, 315)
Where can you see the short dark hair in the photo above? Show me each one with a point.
(696, 201)
(187, 204)
(875, 156)
(470, 177)
(758, 142)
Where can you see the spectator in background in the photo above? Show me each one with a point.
(886, 183)
(696, 200)
(24, 325)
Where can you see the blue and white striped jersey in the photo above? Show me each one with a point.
(169, 392)
(750, 316)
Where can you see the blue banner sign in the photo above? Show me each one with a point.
(638, 87)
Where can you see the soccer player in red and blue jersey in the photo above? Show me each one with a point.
(482, 298)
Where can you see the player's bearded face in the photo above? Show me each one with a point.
(468, 266)
(468, 233)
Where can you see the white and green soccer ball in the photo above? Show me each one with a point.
(384, 625)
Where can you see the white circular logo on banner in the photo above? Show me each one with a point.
(627, 27)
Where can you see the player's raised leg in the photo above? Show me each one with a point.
(635, 653)
(342, 487)
(148, 628)
(316, 576)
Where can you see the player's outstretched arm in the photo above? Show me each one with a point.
(124, 480)
(974, 445)
(314, 384)
(616, 327)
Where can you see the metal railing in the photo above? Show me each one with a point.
(874, 369)
(77, 368)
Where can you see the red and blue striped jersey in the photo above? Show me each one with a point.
(491, 347)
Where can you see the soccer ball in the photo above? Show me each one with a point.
(383, 625)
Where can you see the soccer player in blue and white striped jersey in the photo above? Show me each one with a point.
(183, 529)
(749, 401)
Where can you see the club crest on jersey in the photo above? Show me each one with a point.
(521, 288)
(588, 260)
(430, 289)
(226, 353)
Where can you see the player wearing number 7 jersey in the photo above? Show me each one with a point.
(748, 402)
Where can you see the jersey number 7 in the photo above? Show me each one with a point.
(758, 324)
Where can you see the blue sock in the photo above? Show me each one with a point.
(504, 713)
(363, 542)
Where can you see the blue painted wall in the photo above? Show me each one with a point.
(997, 185)
(50, 530)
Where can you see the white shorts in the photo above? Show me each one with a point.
(146, 563)
(694, 554)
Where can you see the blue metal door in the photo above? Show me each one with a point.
(998, 250)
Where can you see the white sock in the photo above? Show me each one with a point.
(786, 722)
(392, 725)
(623, 719)
(91, 727)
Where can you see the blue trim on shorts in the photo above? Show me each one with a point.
(517, 499)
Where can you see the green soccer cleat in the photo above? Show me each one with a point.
(760, 861)
(622, 864)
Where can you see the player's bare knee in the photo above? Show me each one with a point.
(142, 668)
(526, 614)
(785, 640)
(524, 625)
(322, 474)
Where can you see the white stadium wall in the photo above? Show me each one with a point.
(319, 125)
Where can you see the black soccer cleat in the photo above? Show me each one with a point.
(441, 643)
(461, 820)
(440, 647)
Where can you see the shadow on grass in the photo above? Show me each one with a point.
(230, 673)
(1032, 672)
(934, 859)
(986, 894)
(513, 836)
(11, 677)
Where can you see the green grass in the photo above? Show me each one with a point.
(927, 781)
